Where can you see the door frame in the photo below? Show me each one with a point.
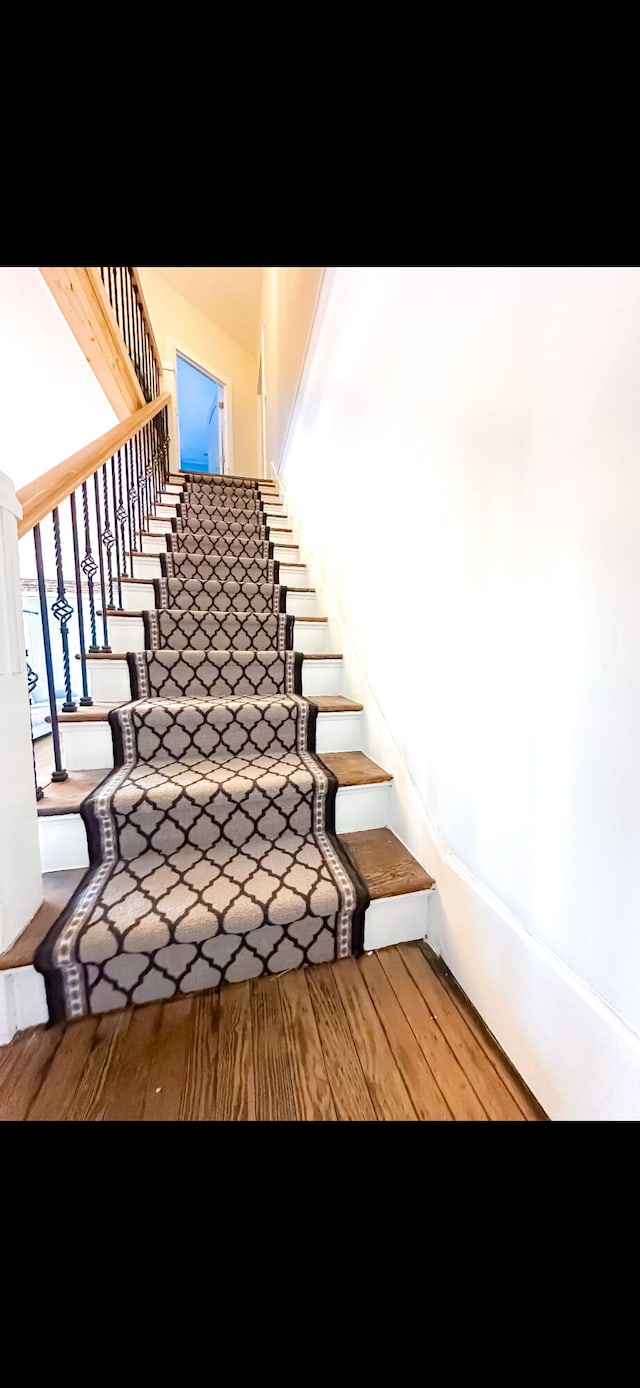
(170, 383)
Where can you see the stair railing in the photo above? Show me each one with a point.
(87, 516)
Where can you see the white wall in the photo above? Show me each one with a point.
(179, 326)
(288, 300)
(52, 404)
(464, 466)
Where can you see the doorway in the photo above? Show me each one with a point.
(200, 399)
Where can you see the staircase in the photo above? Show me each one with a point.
(218, 617)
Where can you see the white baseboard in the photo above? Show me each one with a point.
(23, 1002)
(577, 1055)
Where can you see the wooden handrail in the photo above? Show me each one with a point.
(138, 283)
(40, 497)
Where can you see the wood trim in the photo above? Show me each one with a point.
(138, 283)
(83, 300)
(38, 498)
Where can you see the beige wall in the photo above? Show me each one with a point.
(181, 327)
(289, 297)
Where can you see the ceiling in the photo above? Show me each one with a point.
(227, 294)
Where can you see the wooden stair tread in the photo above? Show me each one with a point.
(334, 703)
(98, 713)
(388, 868)
(66, 797)
(139, 612)
(58, 889)
(121, 655)
(128, 578)
(355, 769)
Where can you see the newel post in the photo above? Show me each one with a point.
(20, 871)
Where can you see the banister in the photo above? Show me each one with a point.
(39, 498)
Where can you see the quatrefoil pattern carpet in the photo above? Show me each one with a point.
(213, 674)
(223, 597)
(215, 858)
(213, 850)
(182, 563)
(200, 630)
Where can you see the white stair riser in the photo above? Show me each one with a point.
(321, 677)
(127, 634)
(109, 679)
(392, 921)
(88, 746)
(137, 598)
(63, 839)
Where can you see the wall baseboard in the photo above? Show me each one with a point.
(577, 1056)
(23, 1002)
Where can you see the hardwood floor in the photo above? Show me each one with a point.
(386, 1036)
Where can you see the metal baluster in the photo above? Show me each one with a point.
(32, 680)
(89, 569)
(142, 487)
(122, 512)
(127, 299)
(103, 591)
(59, 774)
(107, 534)
(116, 299)
(136, 329)
(133, 499)
(63, 612)
(86, 699)
(110, 285)
(151, 481)
(115, 529)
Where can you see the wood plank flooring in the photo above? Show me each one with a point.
(385, 1037)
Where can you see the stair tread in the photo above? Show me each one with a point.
(121, 655)
(139, 612)
(334, 703)
(355, 769)
(66, 797)
(58, 889)
(388, 868)
(99, 712)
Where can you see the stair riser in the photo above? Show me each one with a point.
(127, 634)
(135, 598)
(63, 840)
(148, 566)
(156, 544)
(109, 679)
(88, 746)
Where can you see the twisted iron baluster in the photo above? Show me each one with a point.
(63, 612)
(89, 569)
(85, 700)
(59, 774)
(107, 536)
(103, 591)
(115, 531)
(32, 680)
(121, 516)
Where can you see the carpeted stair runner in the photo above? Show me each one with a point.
(212, 842)
(220, 630)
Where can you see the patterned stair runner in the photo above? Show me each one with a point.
(212, 842)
